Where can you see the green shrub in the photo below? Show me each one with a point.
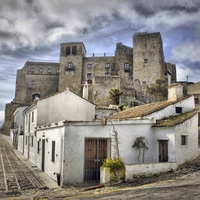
(115, 164)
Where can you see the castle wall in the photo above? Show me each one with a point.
(101, 87)
(36, 77)
(148, 58)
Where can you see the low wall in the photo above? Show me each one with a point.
(148, 169)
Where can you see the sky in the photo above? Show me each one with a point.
(34, 29)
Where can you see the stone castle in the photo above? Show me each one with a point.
(130, 69)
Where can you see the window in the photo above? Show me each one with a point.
(145, 60)
(33, 82)
(38, 146)
(107, 65)
(196, 100)
(89, 66)
(32, 141)
(57, 70)
(178, 109)
(183, 139)
(26, 140)
(49, 70)
(74, 50)
(32, 116)
(53, 151)
(70, 66)
(40, 69)
(68, 51)
(126, 67)
(107, 74)
(89, 76)
(32, 69)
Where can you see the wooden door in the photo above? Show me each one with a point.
(163, 151)
(43, 154)
(96, 151)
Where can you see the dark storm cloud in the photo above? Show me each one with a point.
(33, 29)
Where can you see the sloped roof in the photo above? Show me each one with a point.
(143, 110)
(175, 120)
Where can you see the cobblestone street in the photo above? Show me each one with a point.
(14, 175)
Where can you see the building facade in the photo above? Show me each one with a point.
(131, 69)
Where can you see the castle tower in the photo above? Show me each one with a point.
(148, 58)
(71, 66)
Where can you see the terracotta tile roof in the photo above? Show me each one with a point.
(175, 120)
(141, 111)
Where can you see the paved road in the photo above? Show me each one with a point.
(187, 187)
(14, 175)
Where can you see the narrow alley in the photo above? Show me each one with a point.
(14, 175)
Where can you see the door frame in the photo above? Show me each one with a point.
(108, 153)
(163, 155)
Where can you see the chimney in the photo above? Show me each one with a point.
(175, 91)
(85, 91)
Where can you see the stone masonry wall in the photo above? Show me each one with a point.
(36, 77)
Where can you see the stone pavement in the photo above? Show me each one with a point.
(17, 173)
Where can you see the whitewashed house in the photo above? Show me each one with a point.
(17, 131)
(30, 122)
(62, 106)
(74, 149)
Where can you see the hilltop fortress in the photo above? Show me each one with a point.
(130, 68)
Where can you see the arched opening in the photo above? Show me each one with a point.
(68, 51)
(74, 50)
(35, 97)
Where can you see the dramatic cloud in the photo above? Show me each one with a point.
(33, 29)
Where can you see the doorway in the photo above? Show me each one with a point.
(96, 150)
(43, 154)
(163, 150)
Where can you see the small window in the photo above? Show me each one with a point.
(38, 146)
(57, 70)
(145, 60)
(126, 67)
(74, 50)
(89, 76)
(49, 70)
(70, 66)
(32, 116)
(33, 82)
(196, 100)
(89, 66)
(32, 69)
(107, 74)
(107, 65)
(178, 109)
(32, 141)
(40, 69)
(53, 151)
(68, 51)
(183, 139)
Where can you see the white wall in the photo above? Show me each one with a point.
(148, 169)
(127, 132)
(29, 150)
(186, 104)
(50, 134)
(165, 133)
(64, 106)
(189, 151)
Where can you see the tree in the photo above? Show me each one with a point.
(115, 94)
(158, 91)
